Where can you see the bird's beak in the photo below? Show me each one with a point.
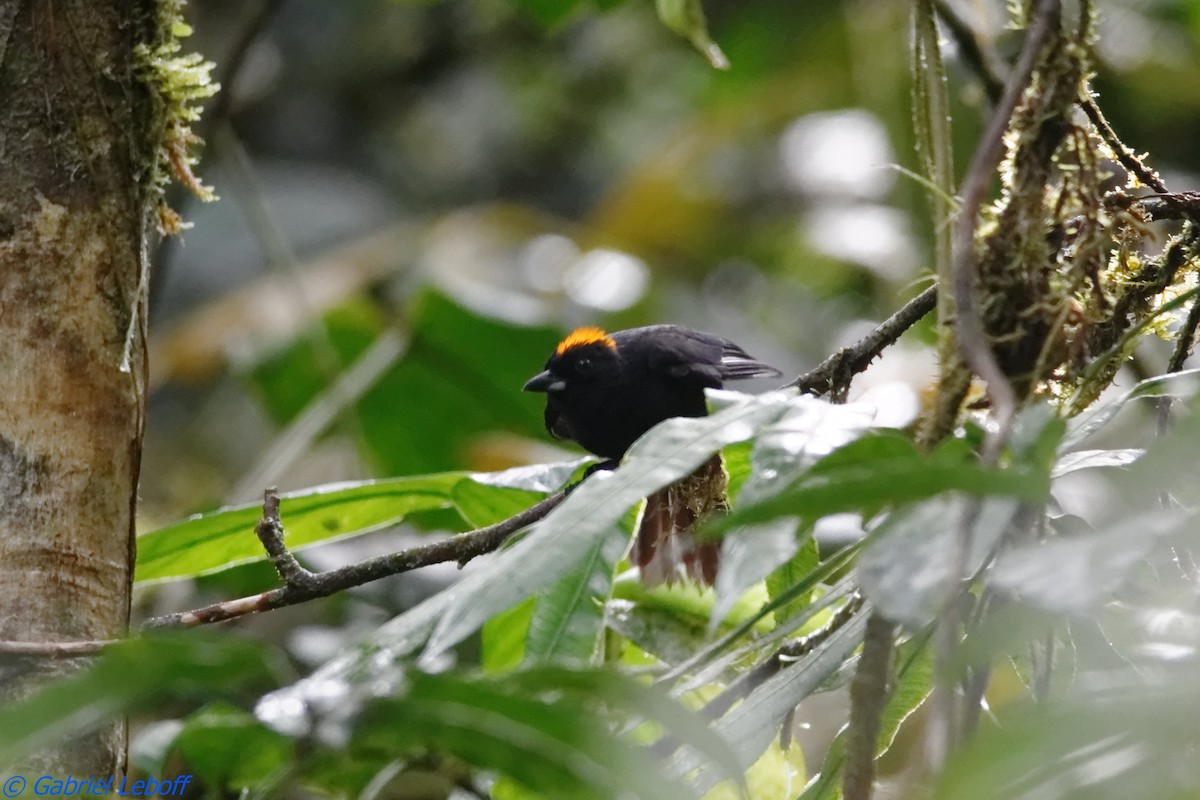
(545, 382)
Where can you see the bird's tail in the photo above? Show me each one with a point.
(665, 549)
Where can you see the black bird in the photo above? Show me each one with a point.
(606, 390)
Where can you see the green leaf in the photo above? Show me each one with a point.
(226, 746)
(529, 726)
(1175, 384)
(914, 680)
(751, 725)
(568, 622)
(686, 17)
(909, 560)
(460, 377)
(749, 554)
(594, 510)
(223, 538)
(551, 12)
(710, 660)
(885, 468)
(131, 676)
(482, 505)
(666, 636)
(503, 637)
(790, 574)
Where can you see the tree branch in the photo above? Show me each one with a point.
(461, 548)
(868, 696)
(972, 339)
(832, 376)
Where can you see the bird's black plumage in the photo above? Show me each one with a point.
(605, 390)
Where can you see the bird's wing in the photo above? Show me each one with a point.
(737, 364)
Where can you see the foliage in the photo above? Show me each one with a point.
(1051, 576)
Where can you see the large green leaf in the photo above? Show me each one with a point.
(568, 621)
(460, 376)
(225, 537)
(227, 747)
(885, 468)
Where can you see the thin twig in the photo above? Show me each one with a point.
(269, 531)
(461, 548)
(983, 64)
(236, 59)
(833, 375)
(1126, 156)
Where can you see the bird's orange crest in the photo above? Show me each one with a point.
(582, 336)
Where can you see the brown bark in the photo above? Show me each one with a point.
(76, 149)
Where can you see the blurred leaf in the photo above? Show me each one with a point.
(1091, 459)
(749, 554)
(228, 747)
(686, 17)
(751, 725)
(884, 468)
(1073, 574)
(551, 12)
(225, 537)
(131, 676)
(709, 661)
(460, 376)
(635, 700)
(1129, 739)
(670, 451)
(151, 746)
(907, 563)
(288, 380)
(669, 637)
(1175, 384)
(529, 727)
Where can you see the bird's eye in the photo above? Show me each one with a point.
(583, 365)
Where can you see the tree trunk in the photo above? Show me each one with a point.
(76, 201)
